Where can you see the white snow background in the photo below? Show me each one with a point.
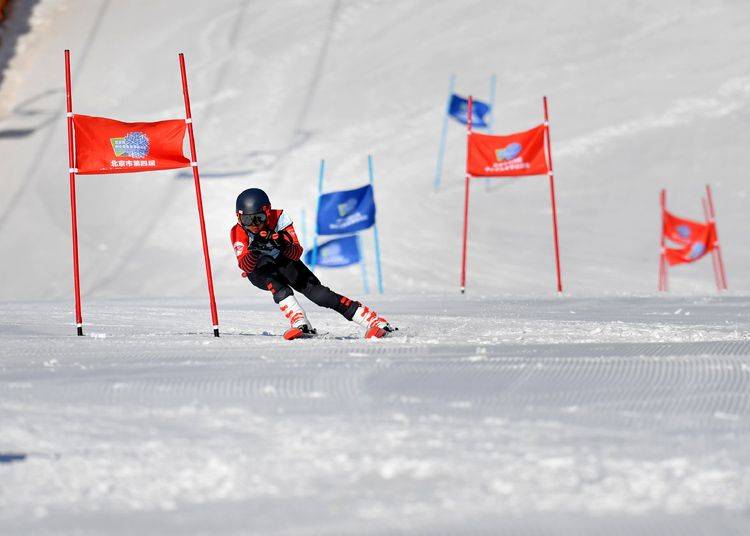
(609, 409)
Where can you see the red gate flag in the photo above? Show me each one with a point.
(108, 146)
(703, 244)
(521, 153)
(695, 238)
(680, 230)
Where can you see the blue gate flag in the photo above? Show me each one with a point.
(479, 110)
(346, 211)
(338, 252)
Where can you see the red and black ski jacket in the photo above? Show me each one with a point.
(248, 255)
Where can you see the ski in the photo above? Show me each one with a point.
(372, 333)
(378, 333)
(299, 333)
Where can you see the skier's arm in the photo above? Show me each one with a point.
(246, 257)
(248, 261)
(290, 246)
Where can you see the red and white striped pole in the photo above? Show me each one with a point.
(712, 217)
(663, 252)
(551, 174)
(466, 196)
(196, 180)
(73, 213)
(714, 259)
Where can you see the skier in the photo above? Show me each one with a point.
(268, 253)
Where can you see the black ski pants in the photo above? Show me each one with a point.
(281, 275)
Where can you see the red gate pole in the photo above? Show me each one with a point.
(551, 175)
(196, 180)
(466, 197)
(662, 255)
(714, 259)
(712, 214)
(73, 213)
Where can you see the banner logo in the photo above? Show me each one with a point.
(683, 231)
(330, 254)
(347, 207)
(134, 144)
(697, 250)
(509, 152)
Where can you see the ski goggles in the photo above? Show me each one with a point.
(255, 219)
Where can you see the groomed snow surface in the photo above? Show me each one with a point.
(482, 416)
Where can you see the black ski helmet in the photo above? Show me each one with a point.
(252, 201)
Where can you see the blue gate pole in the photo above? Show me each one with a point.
(303, 224)
(317, 213)
(441, 151)
(493, 81)
(363, 265)
(375, 228)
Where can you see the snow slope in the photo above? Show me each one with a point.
(579, 416)
(642, 96)
(606, 410)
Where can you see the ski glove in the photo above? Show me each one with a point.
(248, 262)
(282, 240)
(289, 244)
(278, 239)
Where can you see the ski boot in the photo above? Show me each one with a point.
(300, 325)
(375, 325)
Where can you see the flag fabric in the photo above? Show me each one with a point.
(694, 239)
(108, 146)
(336, 253)
(346, 211)
(681, 230)
(693, 251)
(516, 154)
(459, 107)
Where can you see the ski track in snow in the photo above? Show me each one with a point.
(541, 419)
